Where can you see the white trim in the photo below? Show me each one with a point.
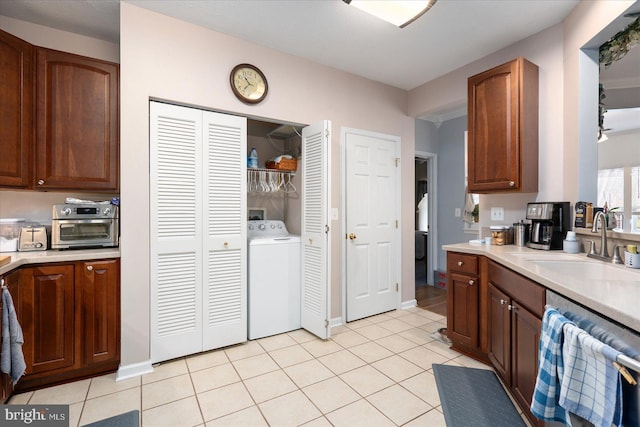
(432, 176)
(406, 305)
(335, 322)
(134, 370)
(343, 222)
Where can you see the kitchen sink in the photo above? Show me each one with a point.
(589, 270)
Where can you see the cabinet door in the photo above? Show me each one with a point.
(500, 332)
(100, 289)
(503, 128)
(48, 317)
(77, 122)
(525, 336)
(462, 309)
(16, 110)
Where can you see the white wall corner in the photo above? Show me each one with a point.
(134, 370)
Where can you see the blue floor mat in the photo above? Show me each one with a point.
(474, 398)
(128, 419)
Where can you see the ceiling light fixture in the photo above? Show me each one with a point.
(399, 12)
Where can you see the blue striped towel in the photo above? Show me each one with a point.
(546, 393)
(590, 385)
(11, 356)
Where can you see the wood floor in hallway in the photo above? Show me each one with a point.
(432, 299)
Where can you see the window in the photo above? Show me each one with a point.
(620, 188)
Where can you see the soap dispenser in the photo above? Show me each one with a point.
(570, 244)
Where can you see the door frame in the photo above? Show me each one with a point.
(432, 176)
(343, 212)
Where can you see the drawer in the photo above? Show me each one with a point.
(462, 263)
(525, 291)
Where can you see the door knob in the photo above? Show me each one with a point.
(352, 236)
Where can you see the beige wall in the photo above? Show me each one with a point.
(166, 58)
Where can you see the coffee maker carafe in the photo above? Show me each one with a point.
(549, 224)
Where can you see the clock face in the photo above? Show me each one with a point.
(248, 83)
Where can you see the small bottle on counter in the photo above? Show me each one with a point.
(570, 244)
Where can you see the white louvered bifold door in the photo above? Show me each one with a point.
(315, 309)
(225, 230)
(176, 224)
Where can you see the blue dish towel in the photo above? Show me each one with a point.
(590, 385)
(546, 393)
(11, 359)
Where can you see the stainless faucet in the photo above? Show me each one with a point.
(604, 252)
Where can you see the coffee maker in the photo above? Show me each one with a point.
(549, 224)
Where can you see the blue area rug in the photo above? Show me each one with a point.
(128, 419)
(474, 397)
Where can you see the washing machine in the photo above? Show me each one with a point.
(274, 279)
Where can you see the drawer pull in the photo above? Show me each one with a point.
(471, 282)
(460, 263)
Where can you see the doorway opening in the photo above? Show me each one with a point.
(428, 295)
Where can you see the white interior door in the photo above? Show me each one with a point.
(224, 230)
(315, 295)
(176, 222)
(372, 214)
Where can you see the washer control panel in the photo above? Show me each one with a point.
(265, 228)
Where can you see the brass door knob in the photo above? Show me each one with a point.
(352, 236)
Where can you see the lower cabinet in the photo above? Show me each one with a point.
(70, 318)
(516, 306)
(466, 295)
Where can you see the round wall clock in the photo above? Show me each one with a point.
(248, 83)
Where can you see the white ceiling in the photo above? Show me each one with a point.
(450, 35)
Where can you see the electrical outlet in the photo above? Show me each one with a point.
(497, 214)
(457, 213)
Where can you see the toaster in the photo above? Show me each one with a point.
(32, 238)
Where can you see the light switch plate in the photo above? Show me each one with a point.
(497, 214)
(334, 214)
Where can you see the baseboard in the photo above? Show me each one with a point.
(335, 322)
(405, 305)
(134, 370)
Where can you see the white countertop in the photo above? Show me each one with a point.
(39, 257)
(617, 296)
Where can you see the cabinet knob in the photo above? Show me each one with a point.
(460, 263)
(90, 267)
(503, 301)
(510, 307)
(226, 244)
(311, 241)
(40, 181)
(1, 282)
(512, 184)
(471, 282)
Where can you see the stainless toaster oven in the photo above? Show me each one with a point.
(90, 225)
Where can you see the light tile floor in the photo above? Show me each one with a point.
(372, 372)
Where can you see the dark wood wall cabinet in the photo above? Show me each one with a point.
(503, 129)
(70, 318)
(495, 315)
(61, 112)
